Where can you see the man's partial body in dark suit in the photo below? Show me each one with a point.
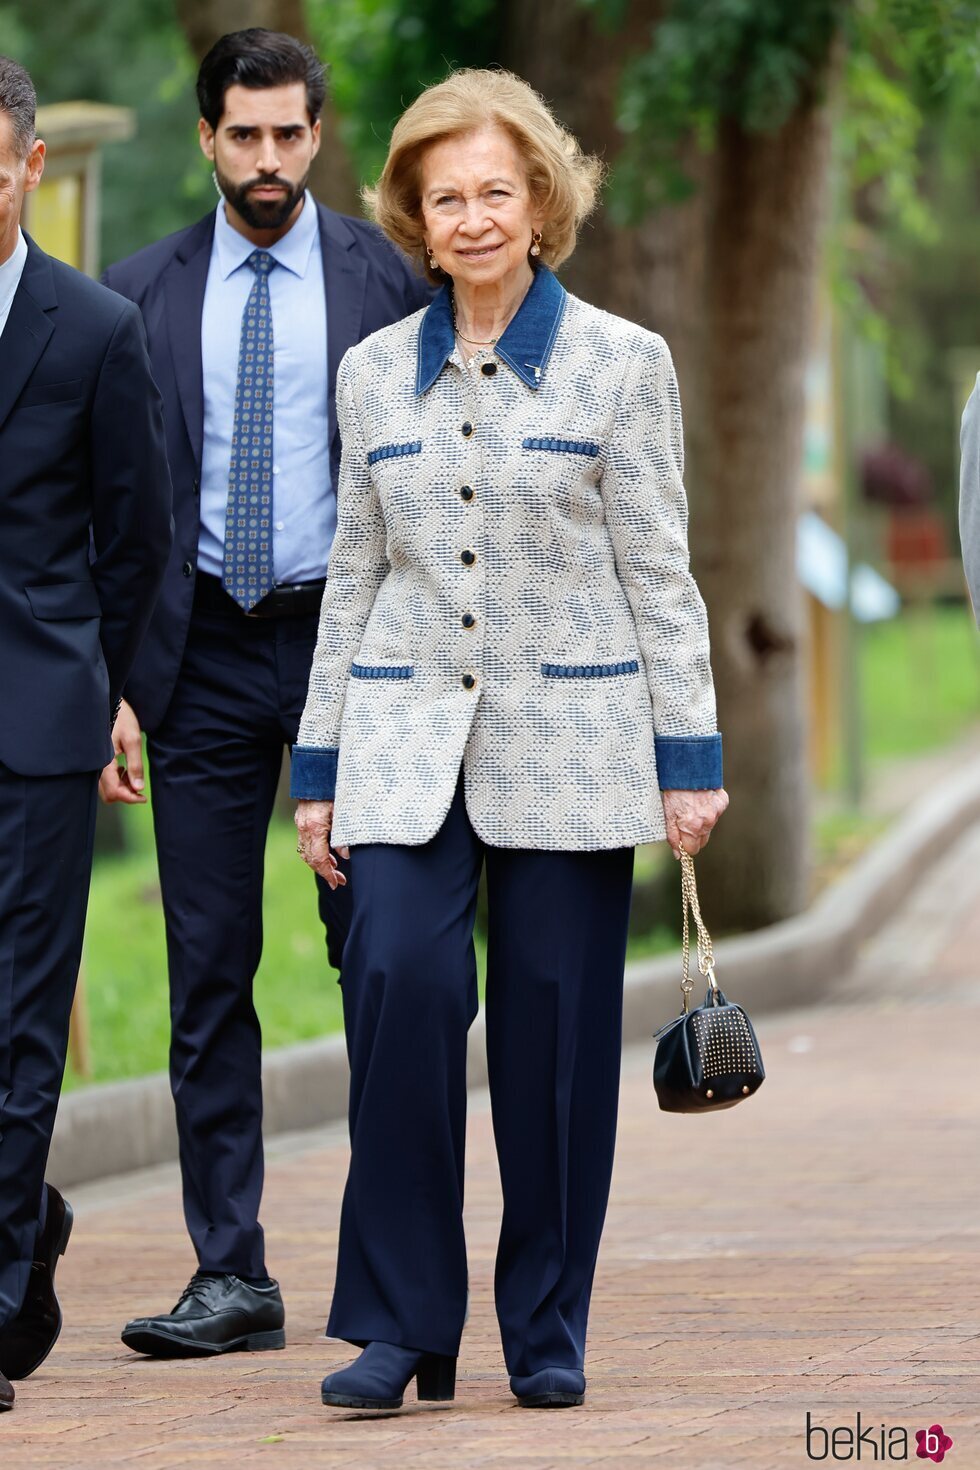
(85, 530)
(219, 688)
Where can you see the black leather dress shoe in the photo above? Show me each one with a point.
(26, 1341)
(215, 1314)
(6, 1394)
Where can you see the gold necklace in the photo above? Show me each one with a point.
(473, 341)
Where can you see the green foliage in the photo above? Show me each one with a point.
(750, 60)
(931, 298)
(932, 43)
(906, 78)
(609, 15)
(710, 62)
(906, 61)
(906, 140)
(383, 53)
(12, 38)
(877, 140)
(753, 62)
(132, 56)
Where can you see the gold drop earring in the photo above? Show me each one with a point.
(535, 242)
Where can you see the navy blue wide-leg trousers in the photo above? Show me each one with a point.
(214, 767)
(556, 954)
(47, 827)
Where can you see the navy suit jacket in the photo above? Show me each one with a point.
(368, 285)
(85, 524)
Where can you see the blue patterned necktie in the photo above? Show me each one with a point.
(248, 573)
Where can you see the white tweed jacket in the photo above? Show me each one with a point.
(509, 589)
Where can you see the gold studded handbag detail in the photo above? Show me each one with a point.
(707, 1058)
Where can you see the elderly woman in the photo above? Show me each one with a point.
(512, 672)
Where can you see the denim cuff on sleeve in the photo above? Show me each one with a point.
(313, 773)
(688, 762)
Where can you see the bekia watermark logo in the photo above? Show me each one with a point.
(874, 1442)
(933, 1443)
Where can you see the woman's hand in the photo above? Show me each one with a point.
(690, 817)
(314, 820)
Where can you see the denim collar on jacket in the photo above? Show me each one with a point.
(525, 345)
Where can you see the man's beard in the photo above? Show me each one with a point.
(262, 214)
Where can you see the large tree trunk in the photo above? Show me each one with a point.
(729, 279)
(761, 266)
(203, 21)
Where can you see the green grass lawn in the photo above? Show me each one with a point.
(124, 963)
(921, 678)
(125, 974)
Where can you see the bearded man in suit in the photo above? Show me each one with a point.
(248, 313)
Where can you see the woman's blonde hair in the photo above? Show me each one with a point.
(563, 180)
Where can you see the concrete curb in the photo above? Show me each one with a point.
(120, 1126)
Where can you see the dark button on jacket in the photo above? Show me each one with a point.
(467, 558)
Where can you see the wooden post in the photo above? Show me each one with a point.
(824, 684)
(63, 213)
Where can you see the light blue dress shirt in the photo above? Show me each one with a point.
(304, 506)
(10, 274)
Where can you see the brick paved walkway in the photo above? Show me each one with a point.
(818, 1249)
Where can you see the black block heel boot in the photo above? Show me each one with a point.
(551, 1388)
(436, 1378)
(379, 1377)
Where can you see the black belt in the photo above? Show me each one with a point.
(291, 600)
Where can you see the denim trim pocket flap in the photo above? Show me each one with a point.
(591, 671)
(382, 671)
(394, 451)
(564, 446)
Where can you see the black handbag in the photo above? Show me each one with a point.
(707, 1058)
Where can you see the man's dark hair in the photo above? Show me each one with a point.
(19, 101)
(258, 58)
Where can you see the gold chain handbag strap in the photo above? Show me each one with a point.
(706, 955)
